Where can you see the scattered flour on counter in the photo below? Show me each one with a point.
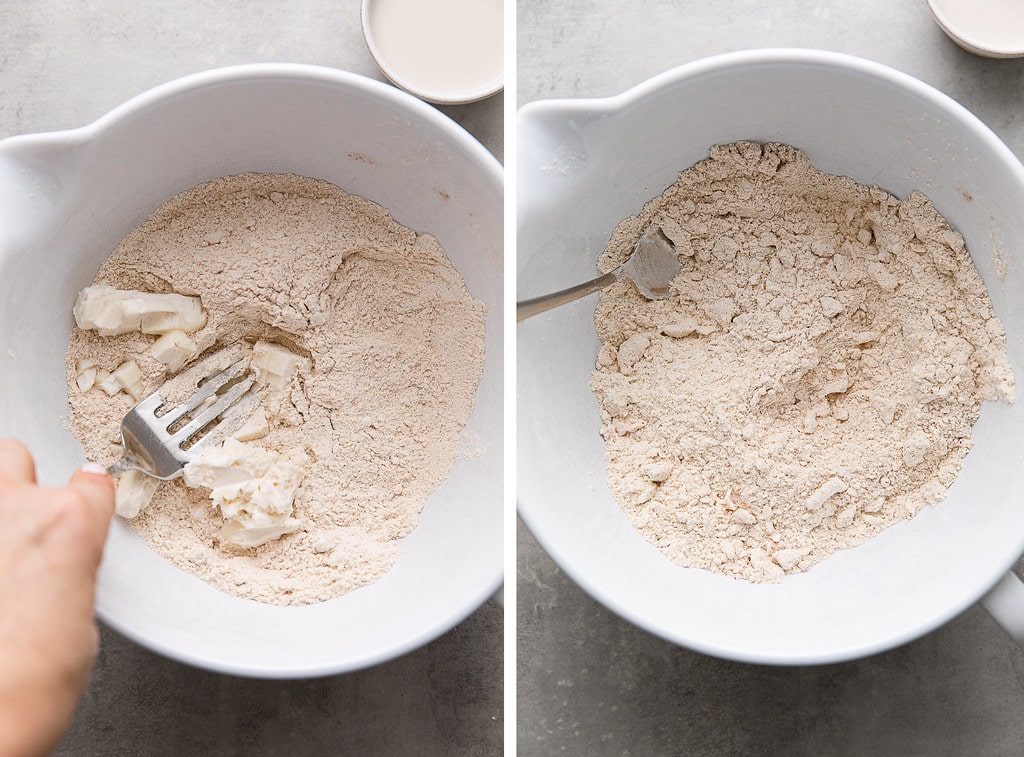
(391, 346)
(814, 378)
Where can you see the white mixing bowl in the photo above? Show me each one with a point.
(584, 165)
(67, 198)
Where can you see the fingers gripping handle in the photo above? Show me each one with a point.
(1005, 602)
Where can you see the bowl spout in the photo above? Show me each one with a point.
(36, 174)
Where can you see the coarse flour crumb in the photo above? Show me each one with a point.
(815, 376)
(392, 348)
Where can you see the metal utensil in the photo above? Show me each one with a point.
(651, 266)
(160, 441)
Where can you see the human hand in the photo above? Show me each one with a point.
(51, 541)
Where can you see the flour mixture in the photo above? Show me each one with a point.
(813, 380)
(367, 348)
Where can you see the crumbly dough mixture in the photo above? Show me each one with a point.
(813, 379)
(392, 346)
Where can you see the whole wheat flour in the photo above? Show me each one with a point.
(391, 346)
(815, 376)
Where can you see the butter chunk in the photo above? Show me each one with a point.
(85, 374)
(274, 368)
(173, 349)
(112, 311)
(256, 426)
(108, 384)
(135, 491)
(254, 529)
(253, 488)
(128, 376)
(273, 365)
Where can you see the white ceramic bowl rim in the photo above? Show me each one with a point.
(243, 71)
(534, 511)
(746, 58)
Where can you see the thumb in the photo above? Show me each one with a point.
(97, 487)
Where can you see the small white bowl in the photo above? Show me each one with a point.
(446, 52)
(583, 166)
(67, 198)
(990, 28)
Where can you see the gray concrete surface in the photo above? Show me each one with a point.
(63, 64)
(590, 683)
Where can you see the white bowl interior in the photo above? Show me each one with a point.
(67, 198)
(583, 167)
